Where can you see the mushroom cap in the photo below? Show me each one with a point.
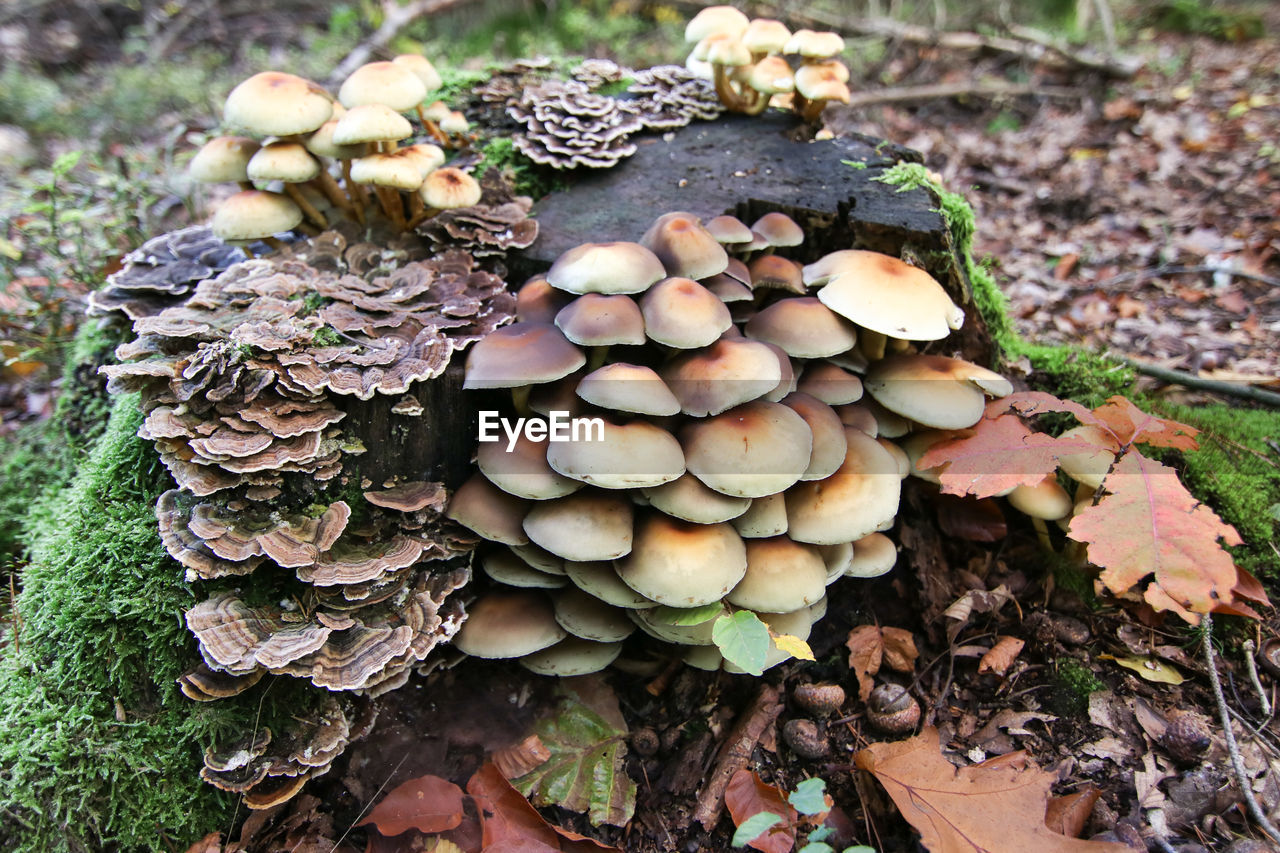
(653, 623)
(449, 188)
(523, 470)
(321, 143)
(1045, 500)
(425, 156)
(715, 19)
(767, 516)
(860, 498)
(539, 302)
(771, 76)
(521, 354)
(685, 248)
(832, 385)
(585, 616)
(728, 229)
(598, 578)
(777, 273)
(782, 576)
(884, 294)
(223, 158)
(454, 122)
(391, 84)
(254, 214)
(750, 451)
(832, 66)
(873, 555)
(371, 123)
(572, 656)
(728, 288)
(681, 313)
(797, 623)
(688, 499)
(681, 564)
(765, 35)
(615, 267)
(939, 392)
(506, 568)
(273, 103)
(822, 83)
(918, 443)
(599, 320)
(1088, 467)
(837, 558)
(633, 455)
(628, 388)
(421, 68)
(509, 624)
(387, 170)
(814, 45)
(803, 327)
(723, 49)
(829, 444)
(731, 371)
(779, 229)
(493, 514)
(899, 455)
(582, 527)
(540, 558)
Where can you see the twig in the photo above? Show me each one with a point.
(1188, 380)
(1176, 269)
(395, 18)
(735, 753)
(1237, 763)
(938, 91)
(1252, 668)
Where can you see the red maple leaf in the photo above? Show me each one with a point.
(1148, 524)
(1131, 425)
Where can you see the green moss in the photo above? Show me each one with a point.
(98, 749)
(1074, 681)
(525, 176)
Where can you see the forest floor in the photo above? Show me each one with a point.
(1138, 215)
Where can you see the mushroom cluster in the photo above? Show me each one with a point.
(726, 458)
(747, 60)
(311, 139)
(317, 573)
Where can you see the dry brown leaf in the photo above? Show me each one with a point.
(866, 651)
(997, 805)
(1001, 656)
(211, 843)
(1068, 815)
(899, 649)
(520, 758)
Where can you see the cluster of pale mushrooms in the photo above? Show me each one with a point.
(746, 58)
(311, 571)
(737, 465)
(307, 131)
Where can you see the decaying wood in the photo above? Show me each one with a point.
(1214, 386)
(736, 752)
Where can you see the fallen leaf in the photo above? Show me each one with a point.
(505, 815)
(1149, 524)
(1131, 425)
(747, 796)
(999, 804)
(1002, 453)
(1068, 815)
(585, 771)
(1151, 669)
(521, 758)
(971, 519)
(866, 651)
(792, 645)
(211, 843)
(743, 640)
(1001, 656)
(899, 649)
(428, 804)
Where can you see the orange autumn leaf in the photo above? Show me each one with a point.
(1001, 656)
(866, 651)
(748, 795)
(996, 805)
(506, 815)
(899, 649)
(1131, 425)
(1149, 524)
(428, 804)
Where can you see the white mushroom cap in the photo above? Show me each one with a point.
(421, 68)
(508, 624)
(617, 267)
(599, 320)
(782, 576)
(521, 354)
(523, 470)
(727, 373)
(538, 302)
(797, 623)
(1088, 468)
(688, 499)
(715, 19)
(585, 616)
(222, 159)
(750, 451)
(779, 229)
(254, 214)
(482, 507)
(633, 455)
(681, 564)
(450, 188)
(371, 123)
(884, 294)
(803, 327)
(858, 499)
(829, 444)
(873, 555)
(683, 314)
(599, 579)
(1045, 500)
(933, 390)
(833, 385)
(272, 103)
(506, 568)
(572, 656)
(685, 248)
(585, 526)
(652, 623)
(628, 388)
(766, 517)
(388, 83)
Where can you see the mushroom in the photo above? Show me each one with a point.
(681, 564)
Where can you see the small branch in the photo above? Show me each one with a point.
(736, 752)
(1173, 269)
(395, 18)
(938, 91)
(1237, 763)
(1188, 380)
(1252, 669)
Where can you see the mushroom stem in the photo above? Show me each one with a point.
(520, 399)
(422, 216)
(308, 209)
(333, 192)
(308, 229)
(1042, 533)
(596, 357)
(812, 110)
(391, 206)
(872, 344)
(246, 185)
(724, 89)
(756, 104)
(436, 133)
(274, 242)
(359, 199)
(416, 208)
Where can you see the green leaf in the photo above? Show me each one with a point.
(66, 162)
(817, 847)
(821, 833)
(743, 640)
(687, 615)
(861, 848)
(754, 827)
(587, 742)
(810, 797)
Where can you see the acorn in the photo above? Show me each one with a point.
(1186, 739)
(645, 741)
(1269, 655)
(892, 710)
(805, 738)
(821, 699)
